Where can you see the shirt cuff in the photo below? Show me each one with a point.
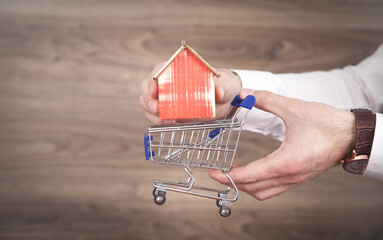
(375, 164)
(257, 80)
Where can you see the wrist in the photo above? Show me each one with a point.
(365, 121)
(237, 80)
(350, 132)
(230, 82)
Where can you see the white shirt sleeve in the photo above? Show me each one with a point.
(375, 164)
(359, 86)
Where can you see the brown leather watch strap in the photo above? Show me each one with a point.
(365, 128)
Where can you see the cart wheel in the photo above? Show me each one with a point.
(219, 203)
(224, 212)
(160, 197)
(159, 200)
(154, 192)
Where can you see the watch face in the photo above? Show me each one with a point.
(357, 166)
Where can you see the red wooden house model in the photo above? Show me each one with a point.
(186, 86)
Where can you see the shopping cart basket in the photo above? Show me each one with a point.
(209, 145)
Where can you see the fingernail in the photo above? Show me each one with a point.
(151, 89)
(152, 106)
(247, 91)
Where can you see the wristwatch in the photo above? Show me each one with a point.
(356, 161)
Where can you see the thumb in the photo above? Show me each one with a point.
(269, 102)
(219, 93)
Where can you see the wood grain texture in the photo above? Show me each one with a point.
(71, 154)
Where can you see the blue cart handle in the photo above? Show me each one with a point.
(147, 141)
(248, 102)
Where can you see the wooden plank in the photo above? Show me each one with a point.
(71, 153)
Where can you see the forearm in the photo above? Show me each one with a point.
(359, 86)
(340, 88)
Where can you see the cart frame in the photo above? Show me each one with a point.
(199, 144)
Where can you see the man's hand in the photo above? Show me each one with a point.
(226, 87)
(317, 137)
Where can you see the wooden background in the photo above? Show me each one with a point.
(71, 153)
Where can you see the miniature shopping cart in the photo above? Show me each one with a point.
(209, 145)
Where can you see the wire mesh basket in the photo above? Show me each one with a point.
(209, 145)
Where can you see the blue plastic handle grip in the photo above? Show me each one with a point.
(215, 132)
(236, 101)
(146, 142)
(248, 102)
(146, 138)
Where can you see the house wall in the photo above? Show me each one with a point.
(186, 89)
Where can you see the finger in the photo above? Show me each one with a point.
(151, 107)
(219, 93)
(153, 88)
(259, 170)
(274, 182)
(271, 102)
(145, 90)
(214, 174)
(235, 165)
(149, 90)
(272, 192)
(155, 119)
(142, 103)
(220, 177)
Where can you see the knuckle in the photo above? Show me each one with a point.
(259, 196)
(243, 179)
(291, 165)
(142, 103)
(290, 170)
(153, 119)
(296, 179)
(267, 96)
(246, 176)
(245, 187)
